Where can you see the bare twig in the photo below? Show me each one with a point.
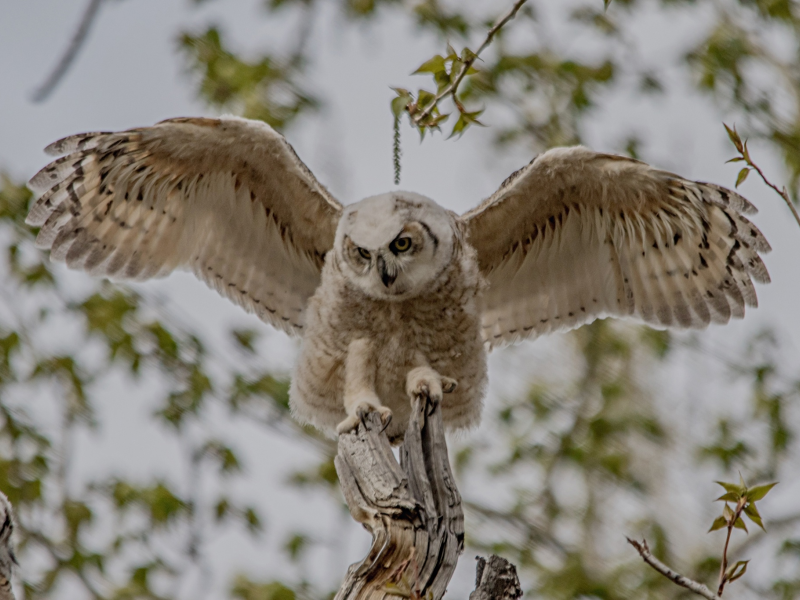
(782, 193)
(420, 118)
(75, 44)
(744, 156)
(689, 584)
(306, 28)
(724, 565)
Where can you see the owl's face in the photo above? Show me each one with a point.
(393, 246)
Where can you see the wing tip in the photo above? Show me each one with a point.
(71, 143)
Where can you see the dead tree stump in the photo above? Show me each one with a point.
(413, 510)
(496, 579)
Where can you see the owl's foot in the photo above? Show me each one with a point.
(358, 410)
(449, 385)
(424, 381)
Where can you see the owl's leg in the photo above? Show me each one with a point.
(424, 380)
(359, 386)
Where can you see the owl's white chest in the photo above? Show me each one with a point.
(444, 326)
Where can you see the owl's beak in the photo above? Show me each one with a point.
(386, 277)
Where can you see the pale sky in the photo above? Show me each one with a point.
(128, 74)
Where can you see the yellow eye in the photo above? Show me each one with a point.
(401, 244)
(364, 253)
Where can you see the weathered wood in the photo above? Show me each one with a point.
(496, 579)
(7, 559)
(412, 509)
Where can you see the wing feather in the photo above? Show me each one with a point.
(227, 199)
(577, 235)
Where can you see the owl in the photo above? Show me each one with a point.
(395, 296)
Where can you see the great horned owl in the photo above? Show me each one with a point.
(395, 295)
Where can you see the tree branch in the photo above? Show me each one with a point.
(75, 44)
(744, 156)
(496, 579)
(689, 584)
(7, 559)
(412, 509)
(782, 193)
(420, 118)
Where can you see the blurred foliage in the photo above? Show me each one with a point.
(588, 454)
(161, 527)
(265, 89)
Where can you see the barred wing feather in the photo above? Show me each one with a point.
(576, 235)
(227, 199)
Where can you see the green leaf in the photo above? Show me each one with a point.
(732, 487)
(746, 153)
(758, 492)
(719, 523)
(727, 513)
(468, 55)
(734, 136)
(434, 65)
(424, 98)
(752, 513)
(222, 508)
(244, 589)
(740, 525)
(729, 497)
(266, 88)
(401, 102)
(296, 545)
(735, 159)
(252, 520)
(163, 504)
(433, 122)
(465, 119)
(442, 79)
(732, 574)
(245, 338)
(459, 127)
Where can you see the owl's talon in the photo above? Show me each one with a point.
(425, 382)
(350, 423)
(386, 418)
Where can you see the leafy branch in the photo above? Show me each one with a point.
(674, 576)
(744, 156)
(448, 71)
(744, 500)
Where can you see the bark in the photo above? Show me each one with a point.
(412, 509)
(496, 579)
(7, 559)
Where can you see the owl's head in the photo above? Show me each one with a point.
(393, 246)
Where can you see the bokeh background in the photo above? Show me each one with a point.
(144, 434)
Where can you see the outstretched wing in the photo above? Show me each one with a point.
(227, 199)
(576, 235)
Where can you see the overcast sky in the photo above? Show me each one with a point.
(129, 74)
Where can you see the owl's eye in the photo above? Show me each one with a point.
(400, 245)
(364, 253)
